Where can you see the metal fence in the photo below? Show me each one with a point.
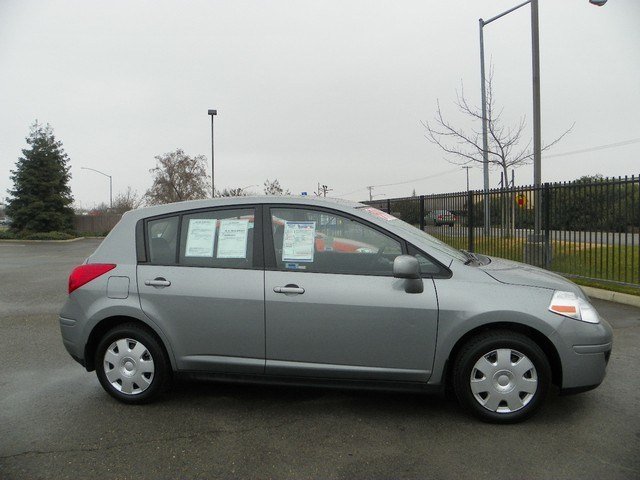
(587, 229)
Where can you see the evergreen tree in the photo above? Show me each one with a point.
(41, 197)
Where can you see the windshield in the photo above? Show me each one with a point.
(433, 242)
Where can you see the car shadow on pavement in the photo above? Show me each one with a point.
(286, 396)
(310, 400)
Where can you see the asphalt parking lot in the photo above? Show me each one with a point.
(57, 422)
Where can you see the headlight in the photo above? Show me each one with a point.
(570, 305)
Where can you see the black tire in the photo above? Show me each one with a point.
(479, 354)
(140, 339)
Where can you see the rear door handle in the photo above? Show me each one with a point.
(291, 289)
(158, 282)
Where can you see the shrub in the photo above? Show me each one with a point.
(48, 236)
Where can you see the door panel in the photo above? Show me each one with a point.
(201, 288)
(213, 317)
(350, 317)
(349, 326)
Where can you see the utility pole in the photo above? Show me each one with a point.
(371, 195)
(467, 169)
(322, 190)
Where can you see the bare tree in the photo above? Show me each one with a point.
(129, 200)
(465, 146)
(178, 177)
(274, 188)
(231, 192)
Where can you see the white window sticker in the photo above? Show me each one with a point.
(200, 237)
(380, 214)
(298, 241)
(232, 239)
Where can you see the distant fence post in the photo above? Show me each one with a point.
(470, 220)
(422, 212)
(388, 205)
(546, 204)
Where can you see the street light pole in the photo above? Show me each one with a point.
(248, 186)
(485, 140)
(537, 137)
(110, 183)
(212, 113)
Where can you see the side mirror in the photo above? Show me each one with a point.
(408, 267)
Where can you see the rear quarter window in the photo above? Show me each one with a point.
(162, 239)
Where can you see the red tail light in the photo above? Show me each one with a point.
(85, 273)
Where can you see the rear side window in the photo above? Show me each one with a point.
(222, 239)
(162, 235)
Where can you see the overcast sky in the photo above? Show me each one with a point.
(309, 91)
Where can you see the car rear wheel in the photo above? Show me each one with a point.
(501, 377)
(131, 364)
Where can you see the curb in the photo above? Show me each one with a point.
(43, 241)
(610, 296)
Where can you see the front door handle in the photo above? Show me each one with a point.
(158, 282)
(289, 289)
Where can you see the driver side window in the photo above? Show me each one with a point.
(322, 242)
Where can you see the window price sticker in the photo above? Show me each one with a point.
(298, 243)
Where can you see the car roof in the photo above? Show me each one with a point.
(336, 203)
(111, 249)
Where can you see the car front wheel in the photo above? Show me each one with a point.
(501, 376)
(131, 365)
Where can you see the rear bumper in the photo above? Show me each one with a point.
(70, 338)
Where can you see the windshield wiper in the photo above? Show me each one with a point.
(472, 257)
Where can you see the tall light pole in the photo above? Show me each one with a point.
(110, 183)
(485, 141)
(212, 113)
(537, 142)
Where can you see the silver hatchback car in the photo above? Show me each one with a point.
(319, 291)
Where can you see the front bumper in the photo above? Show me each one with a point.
(586, 353)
